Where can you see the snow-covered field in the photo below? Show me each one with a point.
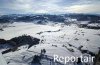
(55, 39)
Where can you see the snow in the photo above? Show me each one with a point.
(2, 60)
(94, 25)
(55, 42)
(24, 28)
(84, 22)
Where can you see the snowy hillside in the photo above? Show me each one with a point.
(59, 39)
(2, 60)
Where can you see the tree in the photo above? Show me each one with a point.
(36, 59)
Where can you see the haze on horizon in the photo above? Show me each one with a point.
(49, 6)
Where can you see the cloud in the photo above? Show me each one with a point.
(83, 8)
(49, 6)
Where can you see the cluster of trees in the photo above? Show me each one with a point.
(37, 58)
(89, 27)
(19, 41)
(25, 39)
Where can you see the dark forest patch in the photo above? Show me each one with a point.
(19, 41)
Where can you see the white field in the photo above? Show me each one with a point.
(67, 34)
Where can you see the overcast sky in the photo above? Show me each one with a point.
(49, 6)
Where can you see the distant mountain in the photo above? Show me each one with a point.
(48, 17)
